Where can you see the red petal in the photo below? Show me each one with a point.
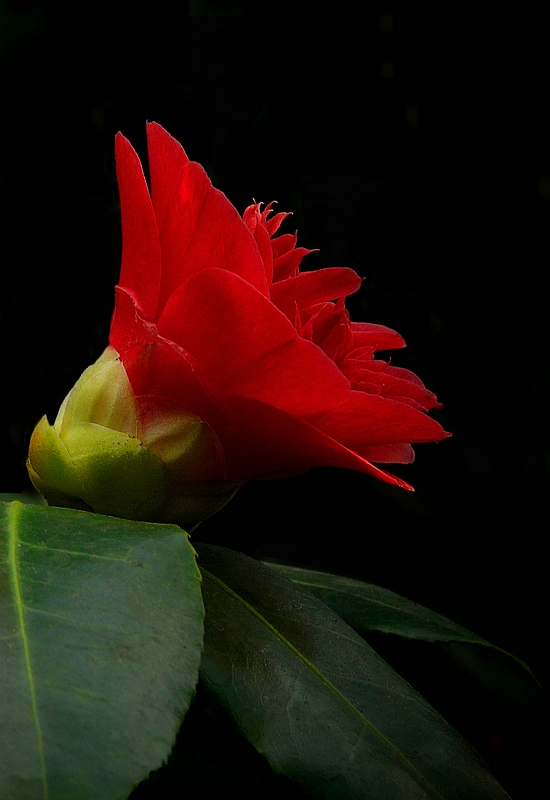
(141, 259)
(198, 226)
(158, 367)
(288, 264)
(379, 378)
(389, 454)
(253, 220)
(367, 420)
(284, 244)
(309, 288)
(248, 347)
(167, 160)
(273, 223)
(130, 330)
(330, 329)
(377, 336)
(269, 443)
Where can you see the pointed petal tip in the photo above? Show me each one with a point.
(402, 484)
(160, 136)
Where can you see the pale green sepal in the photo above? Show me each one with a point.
(97, 469)
(50, 466)
(110, 454)
(121, 476)
(102, 395)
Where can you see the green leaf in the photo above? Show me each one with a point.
(24, 497)
(101, 625)
(317, 701)
(371, 608)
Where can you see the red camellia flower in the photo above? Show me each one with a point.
(214, 316)
(226, 363)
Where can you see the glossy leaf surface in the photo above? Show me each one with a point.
(317, 701)
(372, 608)
(101, 623)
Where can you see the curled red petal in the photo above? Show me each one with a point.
(311, 288)
(273, 223)
(252, 218)
(376, 336)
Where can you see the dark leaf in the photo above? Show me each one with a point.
(317, 701)
(371, 608)
(101, 624)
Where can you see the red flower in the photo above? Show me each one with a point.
(213, 316)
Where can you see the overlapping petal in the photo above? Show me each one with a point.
(366, 420)
(308, 289)
(198, 227)
(249, 347)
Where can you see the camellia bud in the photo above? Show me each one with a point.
(106, 452)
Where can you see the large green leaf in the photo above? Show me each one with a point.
(371, 608)
(317, 701)
(101, 625)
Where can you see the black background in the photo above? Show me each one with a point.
(413, 149)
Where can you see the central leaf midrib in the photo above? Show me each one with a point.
(14, 512)
(310, 665)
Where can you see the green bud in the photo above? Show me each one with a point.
(100, 456)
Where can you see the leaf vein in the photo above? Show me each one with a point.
(32, 545)
(14, 513)
(322, 677)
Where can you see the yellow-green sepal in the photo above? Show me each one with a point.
(97, 468)
(121, 475)
(50, 467)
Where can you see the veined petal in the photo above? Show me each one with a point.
(198, 226)
(248, 347)
(141, 259)
(389, 454)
